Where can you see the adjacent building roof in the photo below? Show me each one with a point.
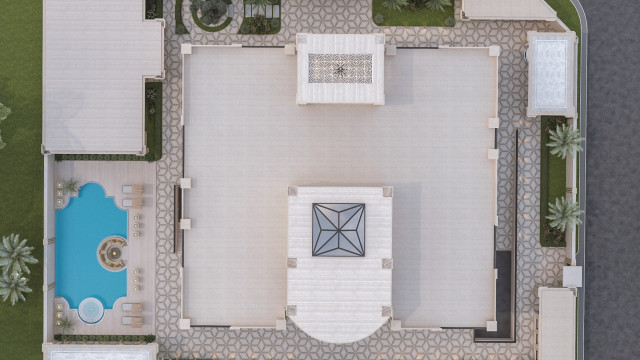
(556, 324)
(340, 68)
(508, 10)
(552, 73)
(340, 299)
(96, 57)
(99, 352)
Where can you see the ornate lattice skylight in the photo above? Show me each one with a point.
(338, 230)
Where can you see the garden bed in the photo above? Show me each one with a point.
(153, 9)
(553, 170)
(408, 17)
(274, 23)
(153, 127)
(216, 28)
(181, 29)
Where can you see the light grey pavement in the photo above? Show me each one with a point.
(582, 176)
(536, 265)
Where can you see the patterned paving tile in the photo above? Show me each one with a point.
(536, 265)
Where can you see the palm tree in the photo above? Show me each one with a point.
(564, 140)
(394, 4)
(13, 287)
(438, 4)
(70, 186)
(564, 213)
(66, 325)
(15, 255)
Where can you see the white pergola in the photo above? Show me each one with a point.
(508, 10)
(552, 73)
(340, 68)
(97, 54)
(340, 299)
(556, 324)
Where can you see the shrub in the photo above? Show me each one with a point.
(416, 4)
(127, 338)
(211, 10)
(120, 338)
(77, 338)
(113, 338)
(394, 4)
(85, 338)
(274, 23)
(378, 19)
(553, 235)
(57, 337)
(450, 21)
(92, 338)
(438, 4)
(149, 338)
(258, 24)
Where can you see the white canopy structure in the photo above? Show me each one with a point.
(507, 10)
(339, 265)
(556, 324)
(552, 73)
(97, 54)
(99, 352)
(340, 68)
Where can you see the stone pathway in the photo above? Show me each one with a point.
(536, 265)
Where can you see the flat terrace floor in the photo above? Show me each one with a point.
(246, 141)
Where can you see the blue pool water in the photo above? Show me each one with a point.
(80, 227)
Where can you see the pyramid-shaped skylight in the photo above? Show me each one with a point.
(338, 230)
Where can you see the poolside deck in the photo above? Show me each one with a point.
(112, 175)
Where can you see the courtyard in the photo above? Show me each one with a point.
(429, 142)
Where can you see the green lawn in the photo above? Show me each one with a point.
(552, 181)
(21, 166)
(407, 17)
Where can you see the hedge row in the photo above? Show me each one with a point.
(106, 338)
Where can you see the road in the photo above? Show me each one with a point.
(612, 313)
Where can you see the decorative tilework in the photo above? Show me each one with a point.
(536, 265)
(340, 68)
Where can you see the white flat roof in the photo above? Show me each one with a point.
(508, 10)
(556, 324)
(552, 73)
(96, 56)
(340, 299)
(99, 352)
(340, 68)
(429, 142)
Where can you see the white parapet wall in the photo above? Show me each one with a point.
(571, 234)
(49, 235)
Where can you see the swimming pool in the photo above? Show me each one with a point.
(80, 227)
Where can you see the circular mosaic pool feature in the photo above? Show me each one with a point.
(91, 310)
(110, 251)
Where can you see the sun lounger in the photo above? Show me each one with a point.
(132, 203)
(135, 309)
(133, 321)
(132, 189)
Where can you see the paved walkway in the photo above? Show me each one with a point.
(536, 265)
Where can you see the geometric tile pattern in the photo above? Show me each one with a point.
(340, 68)
(536, 265)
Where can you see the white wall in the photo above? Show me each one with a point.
(49, 262)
